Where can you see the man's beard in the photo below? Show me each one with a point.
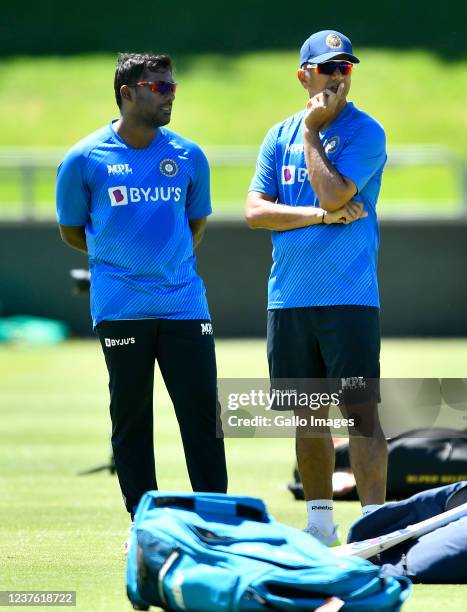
(155, 120)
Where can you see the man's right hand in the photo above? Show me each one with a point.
(352, 211)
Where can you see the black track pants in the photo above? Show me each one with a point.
(185, 352)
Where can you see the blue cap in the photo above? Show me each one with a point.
(325, 46)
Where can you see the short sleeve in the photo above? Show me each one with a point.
(198, 199)
(265, 178)
(72, 195)
(364, 155)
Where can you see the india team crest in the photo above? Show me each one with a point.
(333, 41)
(168, 167)
(331, 145)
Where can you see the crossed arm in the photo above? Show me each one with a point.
(334, 192)
(261, 211)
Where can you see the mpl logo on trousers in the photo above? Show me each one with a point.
(206, 329)
(109, 342)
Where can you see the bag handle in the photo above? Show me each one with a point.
(206, 503)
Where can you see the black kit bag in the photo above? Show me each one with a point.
(418, 460)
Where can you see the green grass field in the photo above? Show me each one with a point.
(61, 531)
(233, 101)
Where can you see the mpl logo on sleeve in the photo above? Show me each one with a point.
(118, 195)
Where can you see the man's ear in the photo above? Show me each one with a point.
(303, 76)
(126, 92)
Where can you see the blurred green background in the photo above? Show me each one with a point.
(236, 67)
(233, 100)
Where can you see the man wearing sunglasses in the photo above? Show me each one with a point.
(135, 197)
(316, 185)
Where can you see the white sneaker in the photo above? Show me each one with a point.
(327, 540)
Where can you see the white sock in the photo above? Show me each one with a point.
(320, 514)
(370, 508)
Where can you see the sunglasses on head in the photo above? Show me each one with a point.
(161, 87)
(329, 68)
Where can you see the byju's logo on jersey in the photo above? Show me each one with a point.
(118, 195)
(119, 169)
(206, 329)
(168, 167)
(123, 194)
(288, 175)
(292, 174)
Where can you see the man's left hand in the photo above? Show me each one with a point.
(322, 107)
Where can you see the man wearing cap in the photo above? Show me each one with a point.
(316, 185)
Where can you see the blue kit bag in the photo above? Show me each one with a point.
(436, 557)
(212, 552)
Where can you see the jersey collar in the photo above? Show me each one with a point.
(119, 140)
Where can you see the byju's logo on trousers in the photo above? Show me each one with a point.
(206, 329)
(118, 195)
(118, 341)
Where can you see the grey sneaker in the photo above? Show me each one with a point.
(327, 540)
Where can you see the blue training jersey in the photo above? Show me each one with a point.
(135, 205)
(324, 265)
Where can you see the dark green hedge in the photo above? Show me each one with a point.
(51, 27)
